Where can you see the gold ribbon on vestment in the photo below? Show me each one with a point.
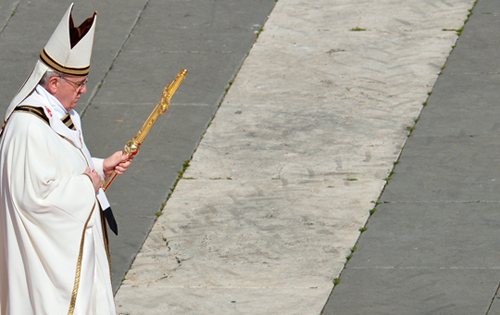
(78, 271)
(68, 122)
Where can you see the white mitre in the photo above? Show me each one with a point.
(68, 51)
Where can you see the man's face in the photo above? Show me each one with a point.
(69, 90)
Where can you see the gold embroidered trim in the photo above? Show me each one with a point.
(63, 69)
(68, 122)
(37, 111)
(79, 267)
(3, 126)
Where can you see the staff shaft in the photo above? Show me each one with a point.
(132, 147)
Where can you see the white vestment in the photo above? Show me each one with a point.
(53, 257)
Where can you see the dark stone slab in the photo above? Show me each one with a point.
(139, 77)
(413, 291)
(447, 169)
(462, 104)
(431, 235)
(199, 26)
(477, 47)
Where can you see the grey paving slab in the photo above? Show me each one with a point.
(7, 8)
(413, 291)
(208, 76)
(167, 139)
(201, 26)
(446, 169)
(462, 104)
(480, 37)
(30, 27)
(431, 235)
(114, 25)
(20, 52)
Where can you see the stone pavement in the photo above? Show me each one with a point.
(432, 245)
(297, 155)
(290, 167)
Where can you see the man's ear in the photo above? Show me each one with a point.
(53, 85)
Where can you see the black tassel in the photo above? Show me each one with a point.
(111, 220)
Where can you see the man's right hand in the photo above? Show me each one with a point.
(96, 179)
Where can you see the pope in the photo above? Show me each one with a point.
(54, 255)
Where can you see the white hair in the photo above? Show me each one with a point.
(50, 73)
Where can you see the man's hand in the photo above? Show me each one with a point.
(118, 163)
(96, 179)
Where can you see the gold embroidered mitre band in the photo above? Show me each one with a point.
(61, 68)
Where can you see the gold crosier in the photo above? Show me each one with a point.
(132, 147)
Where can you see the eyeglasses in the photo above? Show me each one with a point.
(78, 86)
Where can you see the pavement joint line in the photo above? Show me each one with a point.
(14, 7)
(98, 86)
(493, 300)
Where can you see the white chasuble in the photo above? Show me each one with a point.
(53, 258)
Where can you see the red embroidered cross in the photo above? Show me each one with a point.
(48, 110)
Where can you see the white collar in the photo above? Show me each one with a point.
(54, 103)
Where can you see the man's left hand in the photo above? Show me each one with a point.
(118, 163)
